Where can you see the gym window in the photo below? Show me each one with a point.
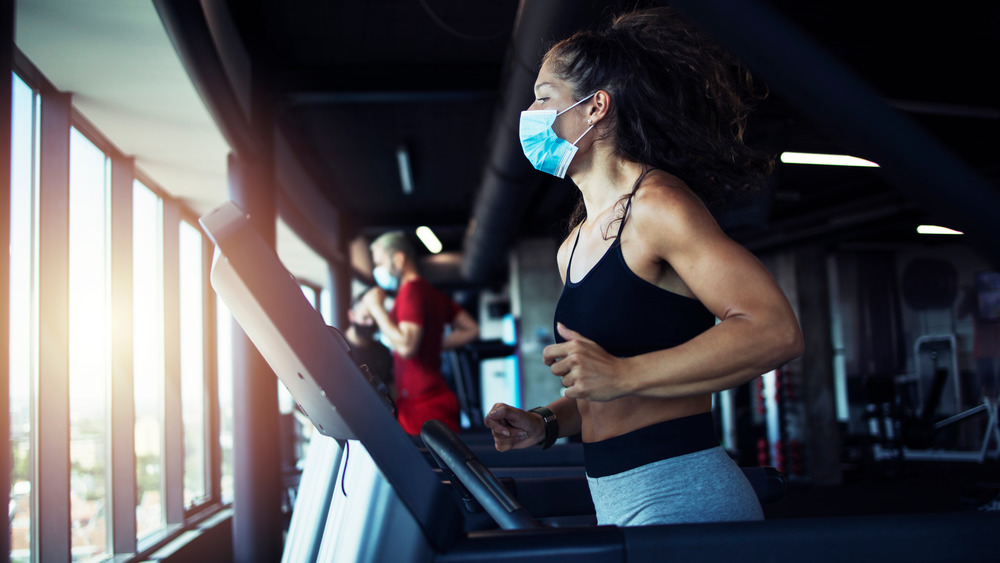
(117, 435)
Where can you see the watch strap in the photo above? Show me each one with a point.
(551, 426)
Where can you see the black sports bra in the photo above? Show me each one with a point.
(623, 313)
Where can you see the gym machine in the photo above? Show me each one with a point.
(904, 418)
(388, 503)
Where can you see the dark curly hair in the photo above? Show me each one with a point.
(679, 101)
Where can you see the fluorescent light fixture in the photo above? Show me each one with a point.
(405, 174)
(937, 230)
(430, 240)
(825, 159)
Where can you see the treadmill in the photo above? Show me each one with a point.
(388, 501)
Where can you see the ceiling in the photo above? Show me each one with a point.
(341, 87)
(125, 77)
(116, 59)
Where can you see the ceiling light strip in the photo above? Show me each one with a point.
(430, 240)
(937, 230)
(825, 159)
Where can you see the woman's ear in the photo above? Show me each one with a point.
(599, 106)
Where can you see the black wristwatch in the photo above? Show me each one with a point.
(551, 426)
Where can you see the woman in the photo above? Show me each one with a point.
(656, 111)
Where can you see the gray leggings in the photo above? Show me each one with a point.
(704, 486)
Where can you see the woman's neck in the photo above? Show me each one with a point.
(604, 180)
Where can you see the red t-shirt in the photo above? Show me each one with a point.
(422, 393)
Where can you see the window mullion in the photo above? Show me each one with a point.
(173, 459)
(213, 449)
(52, 542)
(123, 475)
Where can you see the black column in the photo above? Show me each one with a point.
(257, 524)
(6, 54)
(339, 282)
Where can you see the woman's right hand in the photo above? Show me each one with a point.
(513, 428)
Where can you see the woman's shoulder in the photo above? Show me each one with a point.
(664, 200)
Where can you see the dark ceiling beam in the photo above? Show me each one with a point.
(847, 109)
(185, 23)
(387, 78)
(301, 202)
(304, 207)
(829, 225)
(386, 97)
(950, 110)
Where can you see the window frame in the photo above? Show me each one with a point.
(210, 416)
(32, 314)
(114, 410)
(51, 514)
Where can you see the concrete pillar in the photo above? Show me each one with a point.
(818, 388)
(535, 288)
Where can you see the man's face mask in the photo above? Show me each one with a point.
(385, 279)
(546, 151)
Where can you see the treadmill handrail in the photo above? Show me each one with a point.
(498, 502)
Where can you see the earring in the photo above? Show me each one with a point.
(588, 122)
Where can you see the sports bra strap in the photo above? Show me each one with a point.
(628, 203)
(621, 225)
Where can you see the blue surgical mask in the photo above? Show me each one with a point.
(546, 151)
(384, 279)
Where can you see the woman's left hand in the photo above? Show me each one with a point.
(587, 370)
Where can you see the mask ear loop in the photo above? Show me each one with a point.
(573, 106)
(581, 136)
(576, 104)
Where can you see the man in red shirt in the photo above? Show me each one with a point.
(415, 327)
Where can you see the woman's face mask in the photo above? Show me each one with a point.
(546, 151)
